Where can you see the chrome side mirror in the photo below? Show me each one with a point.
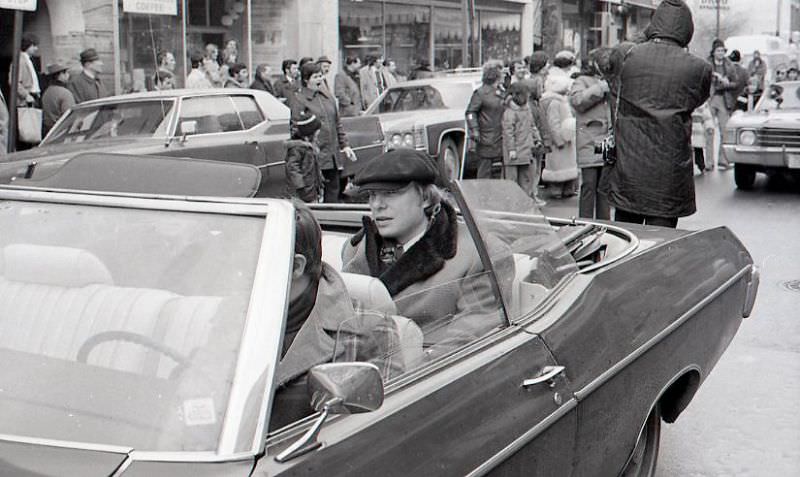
(187, 129)
(337, 388)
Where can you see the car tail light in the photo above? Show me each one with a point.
(420, 139)
(747, 137)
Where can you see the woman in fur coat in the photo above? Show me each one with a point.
(560, 164)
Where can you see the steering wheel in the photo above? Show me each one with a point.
(136, 338)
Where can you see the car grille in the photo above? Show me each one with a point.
(778, 137)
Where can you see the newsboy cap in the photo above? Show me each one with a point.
(394, 170)
(89, 54)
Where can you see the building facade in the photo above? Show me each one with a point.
(128, 34)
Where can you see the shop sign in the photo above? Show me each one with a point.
(153, 7)
(29, 5)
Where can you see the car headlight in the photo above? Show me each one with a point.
(408, 140)
(747, 137)
(397, 140)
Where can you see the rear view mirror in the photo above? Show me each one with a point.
(345, 388)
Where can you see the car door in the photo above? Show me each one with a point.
(365, 136)
(216, 127)
(498, 404)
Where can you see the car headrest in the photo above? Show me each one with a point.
(370, 293)
(51, 265)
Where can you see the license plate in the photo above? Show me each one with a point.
(793, 161)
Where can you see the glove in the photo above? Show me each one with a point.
(512, 154)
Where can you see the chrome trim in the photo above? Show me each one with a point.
(771, 149)
(632, 238)
(523, 440)
(38, 441)
(217, 205)
(263, 326)
(190, 457)
(612, 371)
(547, 374)
(272, 164)
(122, 467)
(752, 291)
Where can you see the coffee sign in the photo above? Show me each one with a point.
(29, 5)
(153, 7)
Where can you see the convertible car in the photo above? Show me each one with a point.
(228, 125)
(141, 335)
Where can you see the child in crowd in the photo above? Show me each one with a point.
(520, 140)
(303, 173)
(703, 138)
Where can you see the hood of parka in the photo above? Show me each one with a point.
(673, 20)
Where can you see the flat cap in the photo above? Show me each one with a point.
(394, 169)
(55, 68)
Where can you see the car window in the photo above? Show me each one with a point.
(509, 220)
(420, 97)
(124, 119)
(212, 114)
(249, 112)
(790, 96)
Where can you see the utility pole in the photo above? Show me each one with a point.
(718, 5)
(12, 95)
(778, 20)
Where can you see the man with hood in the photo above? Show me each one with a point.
(655, 87)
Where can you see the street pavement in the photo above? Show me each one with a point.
(745, 420)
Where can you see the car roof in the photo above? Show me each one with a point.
(437, 81)
(170, 94)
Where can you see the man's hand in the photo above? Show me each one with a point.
(512, 155)
(350, 153)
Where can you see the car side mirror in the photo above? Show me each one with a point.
(187, 129)
(337, 388)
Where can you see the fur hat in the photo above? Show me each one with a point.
(557, 83)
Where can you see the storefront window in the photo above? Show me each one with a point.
(361, 29)
(408, 35)
(448, 27)
(143, 36)
(501, 37)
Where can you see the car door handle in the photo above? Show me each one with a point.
(547, 374)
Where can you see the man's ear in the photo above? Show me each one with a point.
(298, 266)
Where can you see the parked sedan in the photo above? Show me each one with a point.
(766, 139)
(166, 364)
(428, 115)
(231, 125)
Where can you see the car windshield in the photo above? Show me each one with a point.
(428, 96)
(790, 96)
(107, 315)
(124, 120)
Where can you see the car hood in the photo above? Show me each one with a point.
(405, 121)
(776, 118)
(27, 459)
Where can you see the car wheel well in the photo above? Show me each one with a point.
(678, 395)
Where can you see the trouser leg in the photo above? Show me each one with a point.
(602, 207)
(588, 194)
(331, 187)
(699, 160)
(485, 168)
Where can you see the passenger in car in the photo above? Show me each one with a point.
(413, 243)
(322, 325)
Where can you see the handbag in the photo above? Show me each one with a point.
(29, 125)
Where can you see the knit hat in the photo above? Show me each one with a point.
(717, 43)
(306, 127)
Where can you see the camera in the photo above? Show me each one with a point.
(607, 148)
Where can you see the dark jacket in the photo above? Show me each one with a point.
(84, 88)
(55, 101)
(331, 139)
(736, 84)
(485, 121)
(348, 92)
(258, 83)
(285, 88)
(661, 84)
(303, 174)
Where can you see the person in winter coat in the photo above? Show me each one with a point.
(589, 99)
(560, 165)
(520, 139)
(725, 87)
(347, 88)
(484, 121)
(57, 99)
(313, 99)
(413, 242)
(303, 174)
(286, 86)
(757, 74)
(703, 137)
(659, 85)
(261, 81)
